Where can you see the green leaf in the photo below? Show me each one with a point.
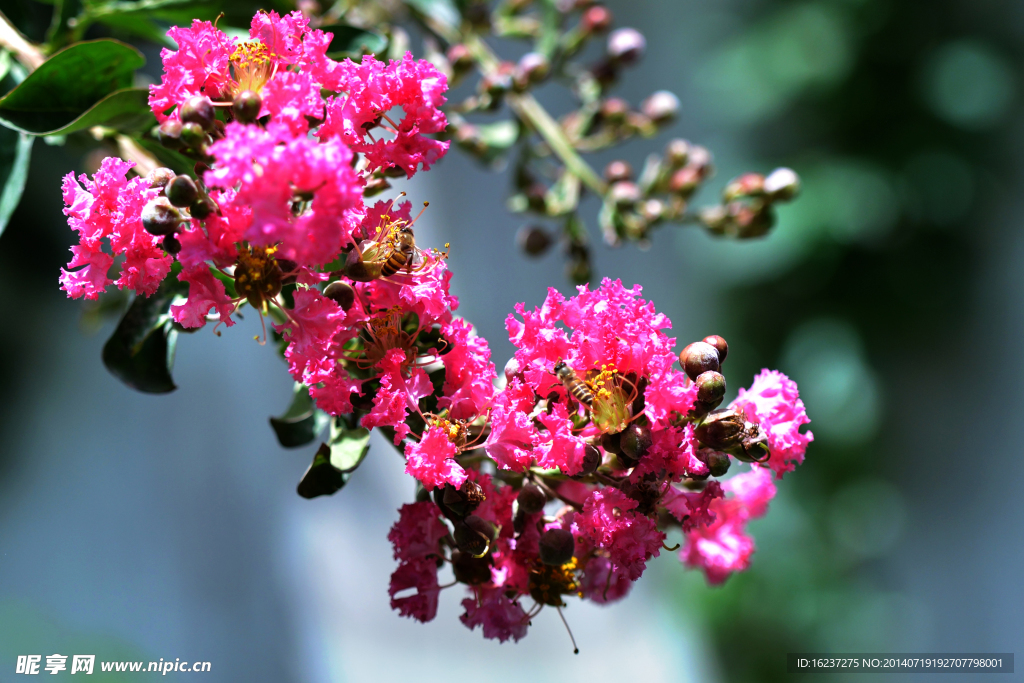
(336, 460)
(69, 84)
(124, 110)
(15, 151)
(442, 11)
(140, 353)
(301, 423)
(177, 162)
(351, 41)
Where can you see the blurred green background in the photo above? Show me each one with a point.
(891, 291)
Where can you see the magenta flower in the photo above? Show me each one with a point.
(204, 292)
(416, 580)
(500, 617)
(431, 460)
(418, 532)
(773, 401)
(608, 526)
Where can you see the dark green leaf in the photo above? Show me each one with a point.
(348, 446)
(301, 423)
(15, 150)
(124, 110)
(351, 41)
(140, 353)
(177, 162)
(442, 11)
(322, 478)
(336, 460)
(68, 85)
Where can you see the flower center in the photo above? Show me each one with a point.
(257, 275)
(611, 407)
(548, 584)
(252, 65)
(385, 333)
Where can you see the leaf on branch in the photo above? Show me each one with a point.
(335, 461)
(15, 151)
(302, 422)
(72, 83)
(140, 353)
(353, 42)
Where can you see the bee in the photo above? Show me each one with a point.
(390, 252)
(573, 384)
(401, 252)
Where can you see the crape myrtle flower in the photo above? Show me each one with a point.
(773, 401)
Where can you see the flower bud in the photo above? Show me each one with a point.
(474, 535)
(246, 106)
(782, 184)
(715, 218)
(718, 463)
(534, 240)
(752, 220)
(747, 185)
(182, 191)
(596, 19)
(202, 208)
(170, 133)
(341, 293)
(652, 210)
(471, 570)
(677, 152)
(465, 499)
(459, 57)
(557, 547)
(624, 193)
(159, 177)
(198, 109)
(496, 84)
(720, 345)
(618, 170)
(512, 369)
(661, 107)
(699, 357)
(171, 244)
(193, 135)
(626, 46)
(533, 67)
(635, 441)
(159, 217)
(710, 386)
(612, 443)
(614, 110)
(591, 461)
(531, 499)
(685, 180)
(722, 429)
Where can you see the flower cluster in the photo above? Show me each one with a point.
(561, 479)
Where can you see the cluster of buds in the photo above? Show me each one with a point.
(558, 480)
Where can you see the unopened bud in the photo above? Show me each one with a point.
(193, 135)
(720, 345)
(579, 271)
(685, 180)
(181, 191)
(198, 109)
(591, 461)
(159, 177)
(498, 83)
(722, 429)
(718, 463)
(716, 218)
(474, 535)
(512, 369)
(698, 358)
(626, 46)
(710, 386)
(782, 184)
(531, 499)
(596, 20)
(159, 217)
(465, 499)
(171, 244)
(612, 443)
(614, 110)
(618, 170)
(170, 133)
(652, 209)
(677, 152)
(557, 547)
(534, 240)
(661, 107)
(459, 57)
(533, 67)
(341, 293)
(246, 106)
(752, 220)
(635, 441)
(202, 208)
(624, 193)
(471, 570)
(747, 185)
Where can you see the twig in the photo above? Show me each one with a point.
(25, 52)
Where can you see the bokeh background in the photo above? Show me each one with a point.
(140, 527)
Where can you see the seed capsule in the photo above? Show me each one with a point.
(341, 293)
(531, 499)
(246, 106)
(199, 110)
(557, 547)
(181, 191)
(193, 135)
(471, 570)
(474, 535)
(722, 429)
(710, 386)
(635, 441)
(202, 208)
(720, 345)
(159, 177)
(171, 245)
(698, 358)
(159, 217)
(465, 499)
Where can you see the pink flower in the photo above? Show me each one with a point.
(432, 462)
(673, 452)
(214, 238)
(290, 97)
(204, 292)
(561, 448)
(418, 531)
(468, 372)
(89, 281)
(500, 617)
(513, 434)
(200, 65)
(397, 395)
(773, 402)
(692, 508)
(608, 523)
(604, 582)
(420, 576)
(723, 546)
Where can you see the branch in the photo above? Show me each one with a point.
(28, 54)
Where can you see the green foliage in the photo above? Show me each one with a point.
(336, 460)
(351, 41)
(301, 423)
(140, 353)
(69, 91)
(15, 150)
